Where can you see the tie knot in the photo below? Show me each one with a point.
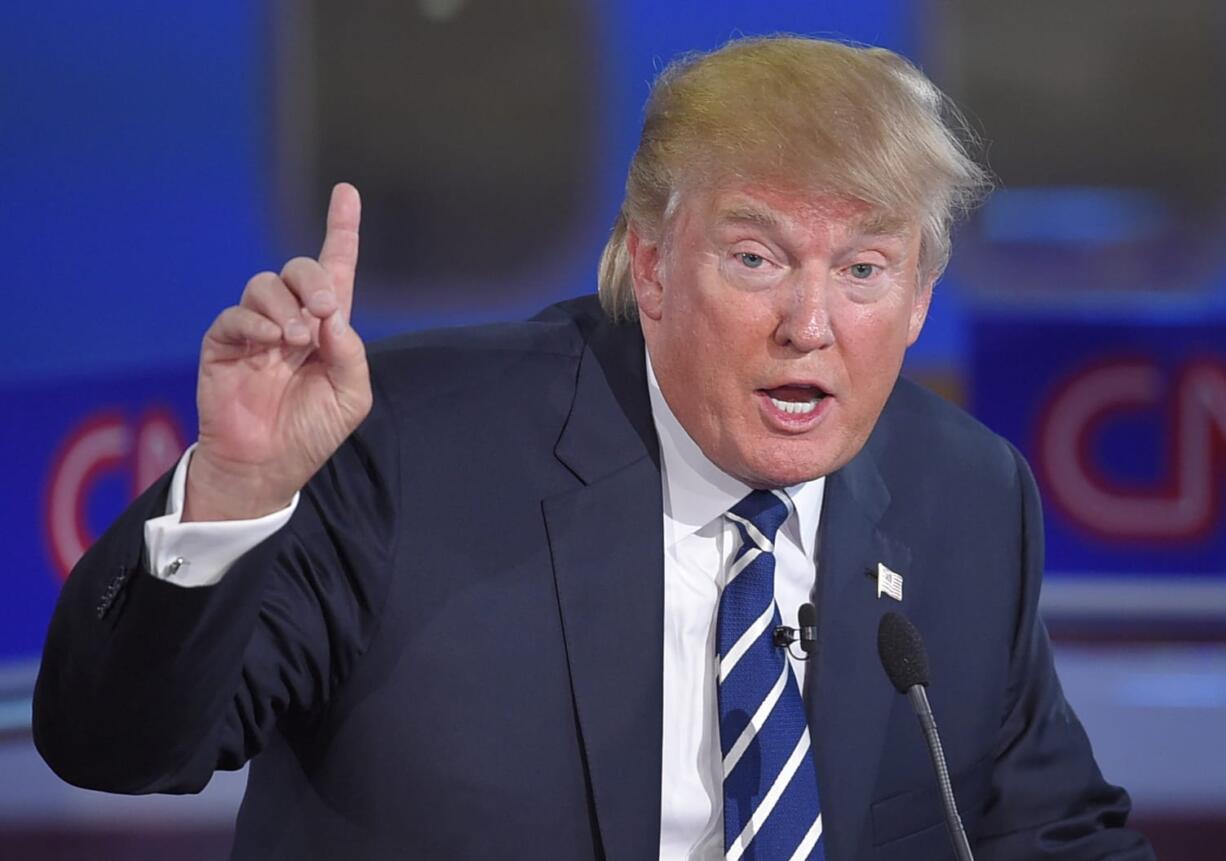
(764, 511)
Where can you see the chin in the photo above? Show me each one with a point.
(766, 474)
(783, 463)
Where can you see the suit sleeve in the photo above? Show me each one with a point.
(149, 687)
(1049, 799)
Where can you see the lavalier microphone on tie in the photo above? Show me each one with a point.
(806, 634)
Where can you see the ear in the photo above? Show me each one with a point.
(645, 273)
(919, 308)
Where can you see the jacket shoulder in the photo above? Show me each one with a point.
(488, 342)
(425, 364)
(920, 428)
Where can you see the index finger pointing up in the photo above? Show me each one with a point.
(339, 255)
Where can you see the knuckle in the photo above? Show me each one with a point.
(227, 316)
(259, 281)
(299, 267)
(217, 328)
(268, 296)
(262, 290)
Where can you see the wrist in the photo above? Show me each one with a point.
(215, 491)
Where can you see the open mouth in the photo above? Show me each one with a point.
(795, 400)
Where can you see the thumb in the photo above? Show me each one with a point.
(344, 357)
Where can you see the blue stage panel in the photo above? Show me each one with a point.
(1124, 422)
(88, 447)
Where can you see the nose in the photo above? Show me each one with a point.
(804, 316)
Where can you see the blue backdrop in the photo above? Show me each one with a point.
(137, 200)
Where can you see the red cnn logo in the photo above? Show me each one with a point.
(103, 443)
(1184, 503)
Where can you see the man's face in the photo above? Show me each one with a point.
(777, 324)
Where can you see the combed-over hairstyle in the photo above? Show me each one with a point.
(795, 112)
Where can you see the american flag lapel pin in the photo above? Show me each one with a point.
(888, 582)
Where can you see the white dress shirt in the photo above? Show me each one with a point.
(699, 542)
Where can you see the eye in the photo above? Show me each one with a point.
(750, 260)
(863, 271)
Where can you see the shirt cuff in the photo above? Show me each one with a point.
(199, 553)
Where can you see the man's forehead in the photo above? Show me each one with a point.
(772, 208)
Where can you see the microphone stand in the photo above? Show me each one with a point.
(953, 822)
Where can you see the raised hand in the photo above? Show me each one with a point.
(283, 379)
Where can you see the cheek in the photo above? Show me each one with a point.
(708, 360)
(700, 324)
(874, 340)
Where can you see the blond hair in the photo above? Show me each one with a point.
(797, 112)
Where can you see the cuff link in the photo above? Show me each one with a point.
(175, 564)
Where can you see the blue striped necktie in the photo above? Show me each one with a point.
(771, 808)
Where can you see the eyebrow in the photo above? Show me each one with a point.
(741, 214)
(884, 224)
(876, 224)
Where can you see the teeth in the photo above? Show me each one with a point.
(796, 407)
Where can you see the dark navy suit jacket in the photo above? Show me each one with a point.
(454, 649)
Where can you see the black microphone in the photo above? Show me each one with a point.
(906, 663)
(806, 634)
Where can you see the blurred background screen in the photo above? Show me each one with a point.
(154, 156)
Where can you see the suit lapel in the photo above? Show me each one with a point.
(607, 547)
(847, 695)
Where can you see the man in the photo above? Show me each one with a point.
(526, 607)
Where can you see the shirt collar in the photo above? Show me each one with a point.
(697, 491)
